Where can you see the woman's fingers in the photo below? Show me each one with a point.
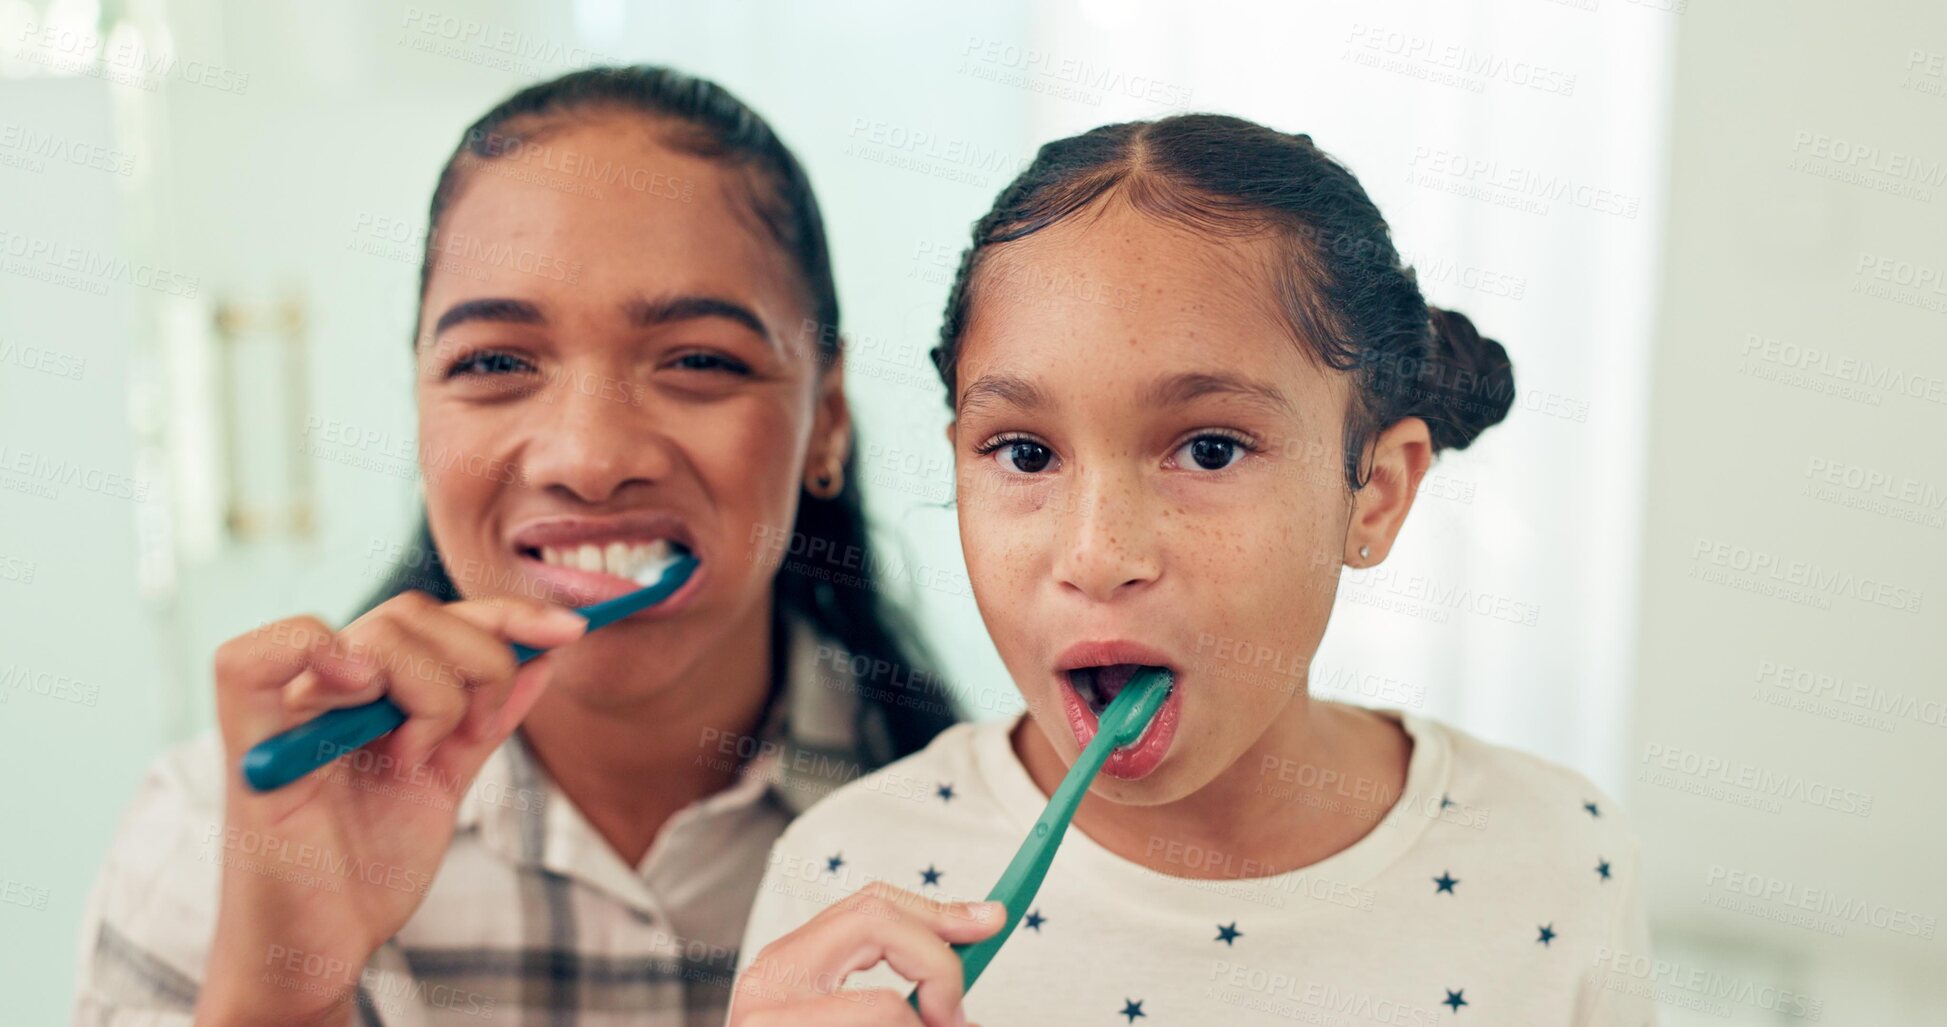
(505, 621)
(252, 671)
(449, 666)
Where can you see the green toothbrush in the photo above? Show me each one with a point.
(1121, 724)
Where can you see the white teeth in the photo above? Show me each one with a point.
(622, 559)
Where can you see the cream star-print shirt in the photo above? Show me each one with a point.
(1499, 889)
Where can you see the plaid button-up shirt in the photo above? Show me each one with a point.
(531, 919)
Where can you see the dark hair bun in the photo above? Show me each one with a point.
(1474, 388)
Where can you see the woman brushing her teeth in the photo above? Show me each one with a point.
(1170, 480)
(611, 363)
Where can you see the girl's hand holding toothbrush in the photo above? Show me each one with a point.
(796, 979)
(389, 811)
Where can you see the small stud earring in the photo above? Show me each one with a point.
(829, 484)
(1365, 552)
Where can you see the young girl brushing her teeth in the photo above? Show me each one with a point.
(1167, 465)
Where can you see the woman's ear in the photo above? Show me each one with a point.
(831, 428)
(1400, 457)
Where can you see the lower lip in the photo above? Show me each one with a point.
(573, 586)
(1137, 760)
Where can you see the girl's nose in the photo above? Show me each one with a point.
(1106, 541)
(595, 435)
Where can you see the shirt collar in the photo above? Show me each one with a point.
(809, 744)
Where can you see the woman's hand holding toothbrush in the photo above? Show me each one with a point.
(335, 863)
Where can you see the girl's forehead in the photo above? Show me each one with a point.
(1116, 270)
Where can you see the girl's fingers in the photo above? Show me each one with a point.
(876, 1007)
(957, 922)
(908, 932)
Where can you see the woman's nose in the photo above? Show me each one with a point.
(589, 440)
(1106, 542)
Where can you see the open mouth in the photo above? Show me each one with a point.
(1094, 674)
(580, 560)
(1098, 686)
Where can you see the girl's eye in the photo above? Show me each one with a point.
(711, 362)
(1023, 456)
(488, 362)
(1210, 452)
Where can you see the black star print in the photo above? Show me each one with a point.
(1453, 999)
(1446, 882)
(1132, 1009)
(1590, 806)
(1547, 934)
(1035, 920)
(1228, 935)
(1603, 869)
(1445, 802)
(834, 861)
(930, 875)
(945, 792)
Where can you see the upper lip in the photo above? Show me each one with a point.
(1107, 653)
(630, 526)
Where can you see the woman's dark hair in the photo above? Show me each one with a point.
(1342, 288)
(701, 118)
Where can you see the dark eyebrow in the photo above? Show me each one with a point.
(1003, 388)
(1182, 388)
(650, 313)
(492, 309)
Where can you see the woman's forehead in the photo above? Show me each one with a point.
(585, 216)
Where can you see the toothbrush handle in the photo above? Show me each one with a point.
(1022, 878)
(283, 758)
(277, 761)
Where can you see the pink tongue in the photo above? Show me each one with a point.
(1109, 680)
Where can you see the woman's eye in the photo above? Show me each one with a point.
(711, 362)
(488, 362)
(1210, 452)
(1024, 456)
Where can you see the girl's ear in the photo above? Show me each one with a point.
(1400, 457)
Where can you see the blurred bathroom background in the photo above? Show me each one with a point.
(1702, 562)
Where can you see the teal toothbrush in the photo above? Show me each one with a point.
(1121, 724)
(283, 758)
